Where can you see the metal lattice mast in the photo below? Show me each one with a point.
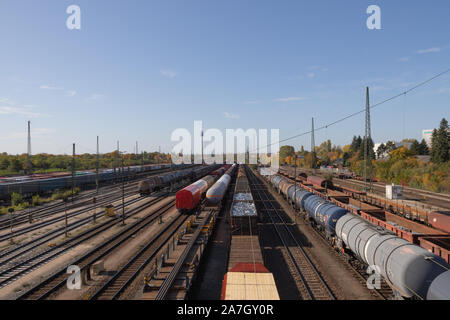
(97, 167)
(29, 149)
(313, 145)
(367, 139)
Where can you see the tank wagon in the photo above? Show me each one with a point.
(189, 198)
(40, 184)
(158, 182)
(410, 270)
(216, 193)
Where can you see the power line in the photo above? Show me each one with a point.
(363, 110)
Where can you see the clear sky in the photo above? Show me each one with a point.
(137, 70)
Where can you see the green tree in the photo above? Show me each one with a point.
(15, 165)
(440, 143)
(424, 148)
(16, 198)
(286, 151)
(415, 147)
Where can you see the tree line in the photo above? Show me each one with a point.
(42, 163)
(391, 162)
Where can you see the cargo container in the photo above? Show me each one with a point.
(440, 220)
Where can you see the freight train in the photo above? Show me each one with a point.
(158, 182)
(411, 271)
(247, 277)
(30, 185)
(189, 198)
(439, 220)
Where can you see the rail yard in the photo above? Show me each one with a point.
(229, 232)
(224, 159)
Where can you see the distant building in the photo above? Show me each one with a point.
(426, 135)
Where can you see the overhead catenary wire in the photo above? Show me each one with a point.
(404, 93)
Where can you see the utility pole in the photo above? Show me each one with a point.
(137, 152)
(295, 187)
(313, 146)
(96, 169)
(202, 147)
(367, 138)
(29, 149)
(123, 195)
(73, 170)
(117, 160)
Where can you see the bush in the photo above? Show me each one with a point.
(16, 198)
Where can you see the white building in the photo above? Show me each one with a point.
(426, 135)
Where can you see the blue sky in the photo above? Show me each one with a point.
(137, 70)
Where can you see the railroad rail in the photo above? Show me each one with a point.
(117, 284)
(172, 276)
(108, 191)
(18, 269)
(49, 286)
(61, 217)
(313, 285)
(8, 255)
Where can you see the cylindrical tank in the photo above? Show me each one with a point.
(276, 181)
(284, 186)
(410, 269)
(144, 187)
(217, 191)
(189, 197)
(209, 180)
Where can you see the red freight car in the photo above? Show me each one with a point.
(320, 182)
(440, 220)
(189, 197)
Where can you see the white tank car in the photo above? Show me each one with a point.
(411, 270)
(216, 193)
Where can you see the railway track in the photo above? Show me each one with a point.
(312, 285)
(105, 193)
(431, 198)
(42, 213)
(8, 255)
(18, 269)
(383, 293)
(59, 279)
(172, 277)
(61, 217)
(117, 284)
